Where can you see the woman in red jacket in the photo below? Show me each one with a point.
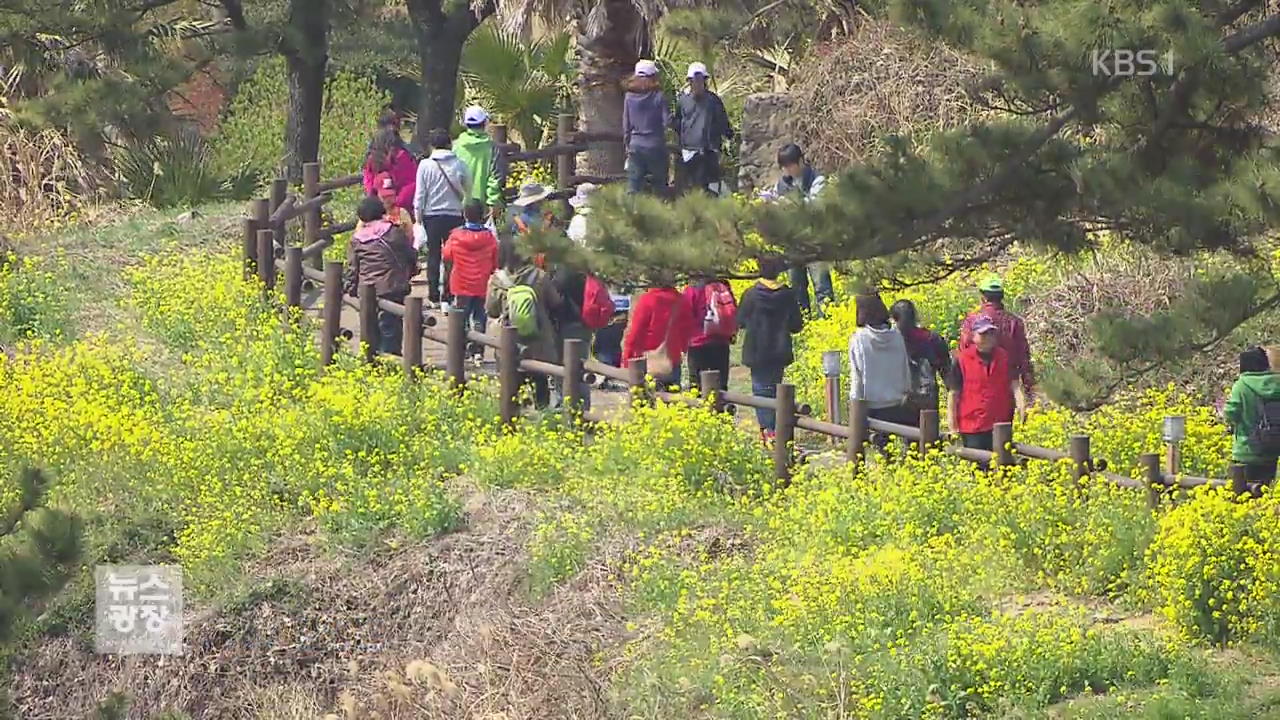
(661, 315)
(387, 155)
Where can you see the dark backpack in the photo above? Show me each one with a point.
(924, 382)
(1264, 436)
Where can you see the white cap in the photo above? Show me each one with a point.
(696, 69)
(646, 68)
(583, 193)
(475, 115)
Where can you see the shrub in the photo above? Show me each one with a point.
(34, 302)
(179, 170)
(1214, 567)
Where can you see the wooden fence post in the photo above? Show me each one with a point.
(857, 430)
(1001, 439)
(784, 431)
(332, 311)
(260, 213)
(637, 368)
(508, 373)
(1078, 450)
(1239, 483)
(1155, 479)
(929, 430)
(279, 189)
(249, 248)
(709, 387)
(369, 321)
(455, 348)
(411, 357)
(266, 261)
(574, 354)
(293, 277)
(311, 218)
(565, 161)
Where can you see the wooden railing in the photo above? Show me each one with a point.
(267, 257)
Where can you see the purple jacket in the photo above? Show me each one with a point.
(645, 117)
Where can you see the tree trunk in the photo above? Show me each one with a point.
(441, 36)
(305, 47)
(607, 57)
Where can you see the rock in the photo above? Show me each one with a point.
(767, 125)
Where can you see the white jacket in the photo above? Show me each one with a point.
(434, 195)
(879, 370)
(577, 230)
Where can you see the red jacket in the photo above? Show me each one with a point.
(404, 173)
(984, 390)
(1013, 338)
(474, 254)
(648, 326)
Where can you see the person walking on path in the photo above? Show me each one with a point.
(472, 252)
(800, 181)
(477, 150)
(523, 295)
(1013, 332)
(702, 125)
(1253, 411)
(660, 320)
(381, 254)
(388, 157)
(646, 113)
(927, 355)
(444, 184)
(984, 390)
(769, 315)
(715, 328)
(571, 284)
(878, 369)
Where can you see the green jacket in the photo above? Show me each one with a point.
(1242, 411)
(475, 149)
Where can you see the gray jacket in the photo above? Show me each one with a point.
(701, 124)
(879, 372)
(443, 183)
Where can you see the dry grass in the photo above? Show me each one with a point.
(43, 177)
(439, 630)
(878, 80)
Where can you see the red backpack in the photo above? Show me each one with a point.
(597, 304)
(721, 318)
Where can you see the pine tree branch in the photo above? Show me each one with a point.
(1235, 12)
(1255, 33)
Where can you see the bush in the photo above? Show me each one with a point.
(34, 302)
(1214, 567)
(180, 170)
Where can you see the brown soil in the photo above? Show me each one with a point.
(444, 629)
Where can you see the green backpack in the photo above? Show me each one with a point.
(522, 310)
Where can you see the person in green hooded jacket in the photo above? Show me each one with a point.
(1256, 386)
(476, 150)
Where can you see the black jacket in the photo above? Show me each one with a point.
(701, 125)
(768, 317)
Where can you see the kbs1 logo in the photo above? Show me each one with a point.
(1130, 63)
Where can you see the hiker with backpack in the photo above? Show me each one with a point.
(523, 295)
(388, 158)
(768, 316)
(878, 369)
(984, 390)
(715, 317)
(477, 150)
(586, 307)
(381, 254)
(659, 331)
(1253, 412)
(472, 254)
(444, 185)
(928, 358)
(1013, 332)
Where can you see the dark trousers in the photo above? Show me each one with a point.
(823, 289)
(438, 228)
(1259, 475)
(647, 169)
(473, 307)
(977, 441)
(390, 326)
(712, 356)
(764, 382)
(700, 172)
(898, 414)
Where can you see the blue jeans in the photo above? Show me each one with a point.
(473, 307)
(390, 326)
(647, 167)
(764, 383)
(823, 288)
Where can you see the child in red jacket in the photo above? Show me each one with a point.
(471, 252)
(661, 316)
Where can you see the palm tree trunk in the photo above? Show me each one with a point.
(607, 51)
(305, 47)
(441, 36)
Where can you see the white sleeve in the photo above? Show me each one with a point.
(855, 368)
(819, 183)
(420, 192)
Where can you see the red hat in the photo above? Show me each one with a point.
(385, 185)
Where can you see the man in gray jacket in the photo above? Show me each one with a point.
(444, 183)
(702, 126)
